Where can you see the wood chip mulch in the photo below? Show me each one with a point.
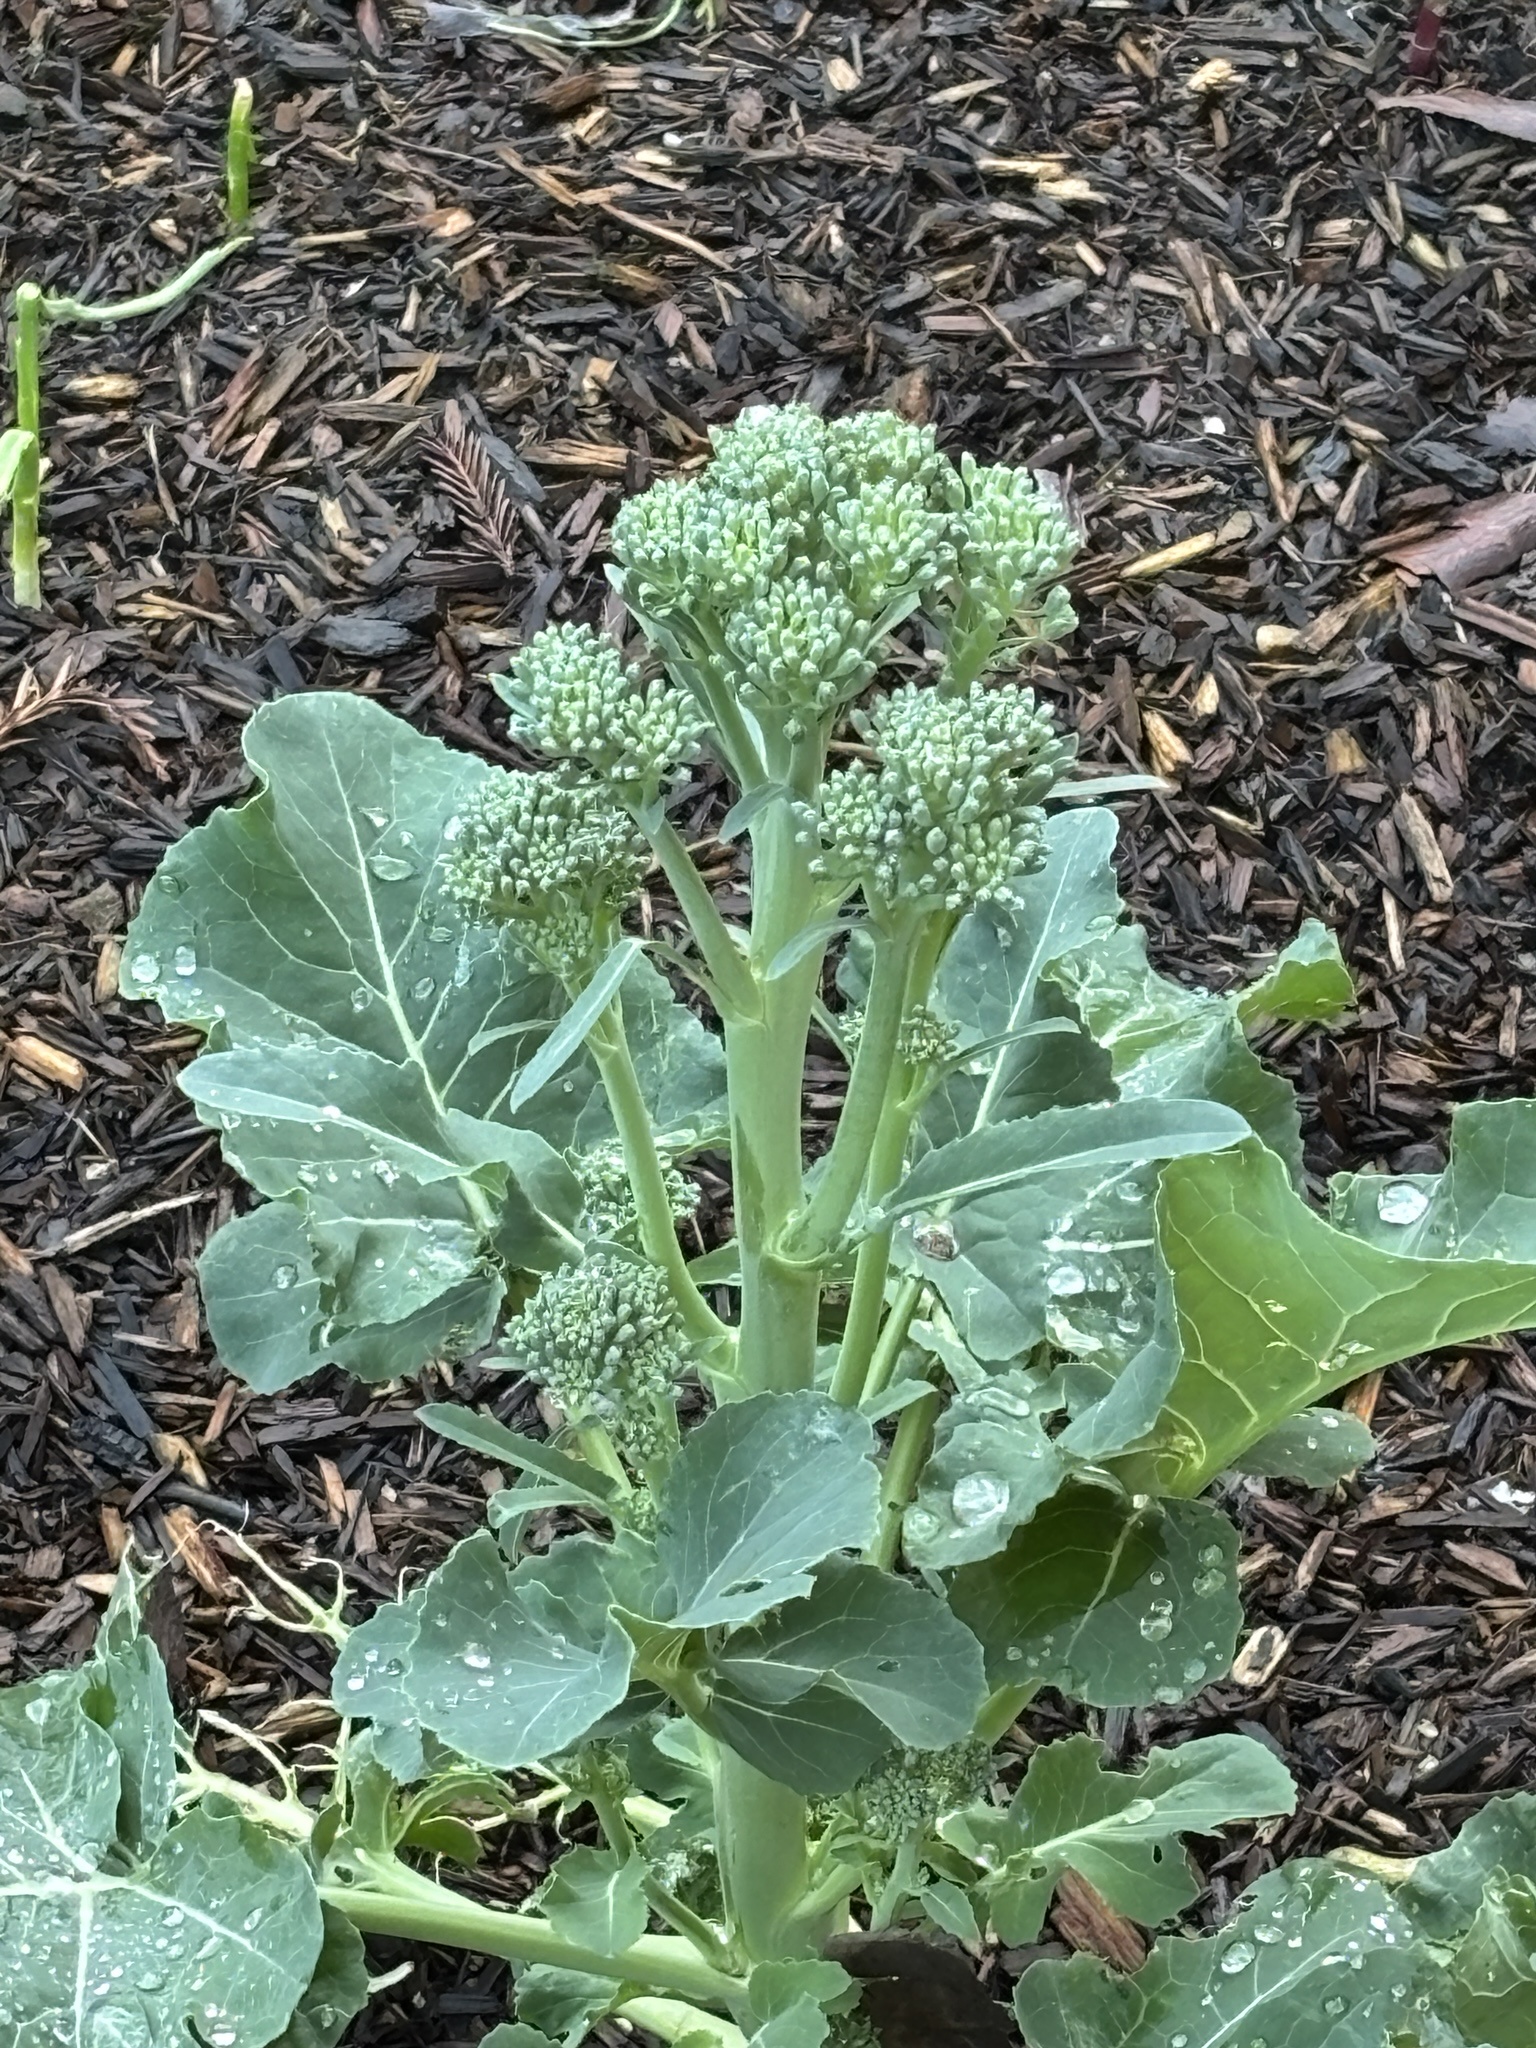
(1275, 337)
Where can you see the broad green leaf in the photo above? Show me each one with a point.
(1319, 1447)
(1277, 1309)
(819, 1744)
(1087, 1139)
(262, 1295)
(597, 1900)
(1115, 1604)
(127, 1695)
(336, 1993)
(1446, 1889)
(1308, 984)
(758, 1494)
(886, 1643)
(803, 2024)
(1482, 1207)
(949, 1907)
(60, 1781)
(991, 985)
(774, 1987)
(1317, 1958)
(1118, 1829)
(219, 1928)
(1165, 1040)
(562, 2003)
(515, 2034)
(1494, 1971)
(506, 1666)
(991, 1467)
(493, 1439)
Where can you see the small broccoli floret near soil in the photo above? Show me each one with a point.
(606, 1339)
(572, 696)
(553, 859)
(608, 1206)
(913, 1788)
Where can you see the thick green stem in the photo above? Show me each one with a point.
(861, 1331)
(168, 294)
(893, 1336)
(760, 1836)
(765, 1058)
(1002, 1709)
(723, 957)
(398, 1901)
(909, 1453)
(26, 488)
(670, 2020)
(658, 1231)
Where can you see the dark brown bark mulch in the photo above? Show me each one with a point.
(1179, 258)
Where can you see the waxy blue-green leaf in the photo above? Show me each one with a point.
(262, 1295)
(561, 2004)
(506, 1666)
(337, 1991)
(1319, 1447)
(1277, 1308)
(1445, 1890)
(886, 1643)
(1482, 1207)
(759, 1494)
(820, 1743)
(493, 1439)
(1165, 1040)
(1317, 1958)
(1493, 1974)
(216, 1924)
(569, 1035)
(596, 1899)
(1119, 1605)
(991, 985)
(991, 1467)
(1308, 983)
(126, 1693)
(1092, 1138)
(1118, 1829)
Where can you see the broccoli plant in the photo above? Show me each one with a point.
(827, 1500)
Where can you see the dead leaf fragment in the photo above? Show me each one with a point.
(200, 1558)
(1483, 538)
(1483, 109)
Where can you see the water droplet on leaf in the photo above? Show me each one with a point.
(1401, 1202)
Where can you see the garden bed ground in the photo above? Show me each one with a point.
(1181, 259)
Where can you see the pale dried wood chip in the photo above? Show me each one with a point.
(1419, 837)
(1343, 753)
(1088, 1923)
(1168, 751)
(47, 1062)
(1261, 1656)
(200, 1558)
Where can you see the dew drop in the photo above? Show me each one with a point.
(424, 989)
(283, 1277)
(476, 1658)
(362, 996)
(1401, 1202)
(1066, 1280)
(184, 960)
(389, 867)
(1236, 1958)
(979, 1497)
(385, 1172)
(144, 968)
(1156, 1624)
(356, 1682)
(1333, 2007)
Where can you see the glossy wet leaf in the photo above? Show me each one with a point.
(1118, 1829)
(125, 1693)
(336, 1993)
(1316, 1958)
(758, 1494)
(991, 1467)
(262, 1296)
(1165, 1040)
(1277, 1309)
(1482, 1206)
(820, 1743)
(1093, 1138)
(217, 1924)
(890, 1645)
(561, 2003)
(596, 1900)
(493, 1439)
(1113, 1604)
(1446, 1888)
(504, 1665)
(1308, 983)
(1319, 1447)
(1493, 1976)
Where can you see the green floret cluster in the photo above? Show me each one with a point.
(774, 577)
(573, 697)
(926, 1038)
(951, 816)
(554, 860)
(914, 1788)
(605, 1338)
(608, 1205)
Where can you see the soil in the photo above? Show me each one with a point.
(1274, 337)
